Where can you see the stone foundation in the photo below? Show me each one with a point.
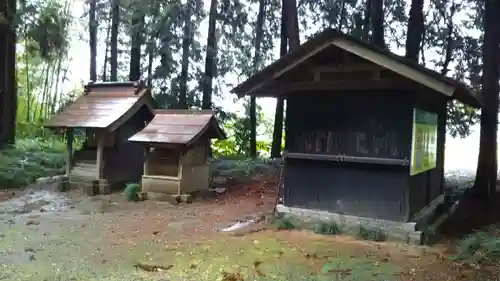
(104, 187)
(171, 198)
(61, 181)
(400, 231)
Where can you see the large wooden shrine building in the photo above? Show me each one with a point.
(365, 129)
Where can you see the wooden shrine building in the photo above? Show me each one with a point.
(365, 129)
(108, 114)
(176, 143)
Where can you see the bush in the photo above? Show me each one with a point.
(372, 234)
(241, 170)
(284, 223)
(479, 248)
(327, 228)
(132, 191)
(30, 159)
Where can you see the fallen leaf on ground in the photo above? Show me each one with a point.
(152, 268)
(235, 276)
(32, 222)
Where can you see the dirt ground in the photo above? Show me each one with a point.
(49, 236)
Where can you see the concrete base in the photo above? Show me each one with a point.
(92, 188)
(171, 198)
(400, 231)
(61, 181)
(104, 187)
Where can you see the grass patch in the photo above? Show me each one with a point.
(30, 159)
(270, 255)
(480, 248)
(373, 234)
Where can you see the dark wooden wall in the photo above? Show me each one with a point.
(373, 124)
(366, 190)
(425, 187)
(125, 161)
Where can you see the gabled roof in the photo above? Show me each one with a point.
(104, 105)
(172, 126)
(409, 69)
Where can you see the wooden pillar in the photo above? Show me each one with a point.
(179, 172)
(146, 164)
(100, 150)
(287, 124)
(69, 150)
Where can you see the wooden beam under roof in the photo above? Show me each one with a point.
(333, 86)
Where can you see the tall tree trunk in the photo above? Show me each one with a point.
(106, 50)
(28, 82)
(53, 104)
(115, 23)
(259, 34)
(150, 70)
(449, 45)
(50, 91)
(367, 19)
(45, 93)
(151, 55)
(42, 75)
(186, 44)
(486, 174)
(377, 22)
(342, 16)
(415, 30)
(8, 83)
(280, 102)
(210, 67)
(93, 39)
(293, 27)
(135, 48)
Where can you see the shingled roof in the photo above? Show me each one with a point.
(103, 105)
(181, 127)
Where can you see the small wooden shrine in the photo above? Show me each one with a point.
(108, 114)
(177, 143)
(365, 129)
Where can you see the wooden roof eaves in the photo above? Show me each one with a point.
(220, 134)
(145, 99)
(329, 37)
(211, 124)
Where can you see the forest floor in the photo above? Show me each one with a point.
(45, 235)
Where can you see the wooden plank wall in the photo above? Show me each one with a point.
(374, 124)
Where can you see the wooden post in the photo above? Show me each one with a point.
(100, 149)
(146, 164)
(179, 172)
(69, 150)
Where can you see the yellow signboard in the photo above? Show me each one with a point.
(424, 141)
